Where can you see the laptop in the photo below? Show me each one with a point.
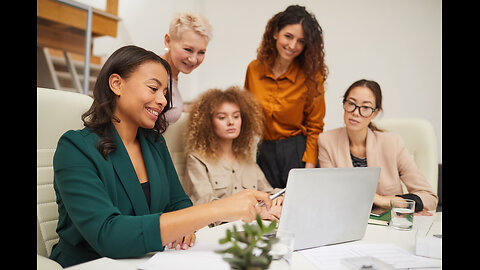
(324, 206)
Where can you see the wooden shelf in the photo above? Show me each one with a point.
(61, 26)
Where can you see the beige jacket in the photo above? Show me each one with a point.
(207, 180)
(384, 150)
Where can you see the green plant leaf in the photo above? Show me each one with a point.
(244, 243)
(229, 235)
(259, 261)
(259, 221)
(271, 227)
(248, 229)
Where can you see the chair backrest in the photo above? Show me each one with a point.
(174, 136)
(57, 112)
(420, 141)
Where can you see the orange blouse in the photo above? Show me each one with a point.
(287, 110)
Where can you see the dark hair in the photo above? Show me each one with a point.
(124, 61)
(377, 93)
(312, 58)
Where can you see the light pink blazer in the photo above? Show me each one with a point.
(384, 150)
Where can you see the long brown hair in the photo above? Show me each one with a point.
(124, 61)
(201, 137)
(312, 58)
(377, 93)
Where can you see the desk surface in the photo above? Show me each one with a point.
(374, 234)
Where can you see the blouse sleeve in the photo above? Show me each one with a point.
(196, 182)
(324, 157)
(263, 184)
(178, 198)
(314, 115)
(413, 178)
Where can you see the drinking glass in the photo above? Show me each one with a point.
(402, 211)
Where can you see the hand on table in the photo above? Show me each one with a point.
(423, 213)
(183, 243)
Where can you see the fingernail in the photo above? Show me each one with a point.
(177, 247)
(185, 246)
(192, 244)
(169, 246)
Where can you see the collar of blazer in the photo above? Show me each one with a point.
(344, 148)
(126, 173)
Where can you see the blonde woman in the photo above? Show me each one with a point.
(221, 138)
(185, 45)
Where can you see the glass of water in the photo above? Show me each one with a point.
(402, 211)
(282, 250)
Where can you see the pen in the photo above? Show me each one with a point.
(274, 196)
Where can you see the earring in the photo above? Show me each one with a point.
(166, 49)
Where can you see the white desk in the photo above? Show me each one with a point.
(374, 234)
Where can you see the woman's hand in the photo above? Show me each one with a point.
(183, 243)
(383, 201)
(271, 214)
(423, 213)
(309, 165)
(243, 205)
(278, 201)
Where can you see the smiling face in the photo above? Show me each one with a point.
(290, 42)
(360, 96)
(227, 121)
(187, 52)
(140, 98)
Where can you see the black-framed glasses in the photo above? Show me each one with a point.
(364, 111)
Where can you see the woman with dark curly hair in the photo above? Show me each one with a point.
(222, 131)
(288, 79)
(117, 190)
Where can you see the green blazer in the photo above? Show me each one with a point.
(102, 209)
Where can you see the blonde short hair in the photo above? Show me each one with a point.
(190, 21)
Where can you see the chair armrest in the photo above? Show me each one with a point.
(44, 263)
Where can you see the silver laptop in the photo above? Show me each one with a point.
(325, 206)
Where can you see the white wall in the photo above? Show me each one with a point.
(397, 43)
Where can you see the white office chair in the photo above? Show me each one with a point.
(174, 136)
(57, 112)
(420, 141)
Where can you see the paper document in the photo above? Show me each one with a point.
(329, 257)
(201, 256)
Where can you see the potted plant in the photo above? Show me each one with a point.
(249, 249)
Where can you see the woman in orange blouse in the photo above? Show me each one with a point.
(287, 78)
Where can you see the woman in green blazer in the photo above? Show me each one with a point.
(118, 193)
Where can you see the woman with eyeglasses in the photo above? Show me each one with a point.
(361, 144)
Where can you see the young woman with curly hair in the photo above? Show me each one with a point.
(222, 131)
(117, 190)
(288, 79)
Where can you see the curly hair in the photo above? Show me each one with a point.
(201, 138)
(312, 58)
(124, 61)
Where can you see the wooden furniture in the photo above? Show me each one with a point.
(62, 26)
(69, 27)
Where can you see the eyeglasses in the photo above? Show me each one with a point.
(364, 111)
